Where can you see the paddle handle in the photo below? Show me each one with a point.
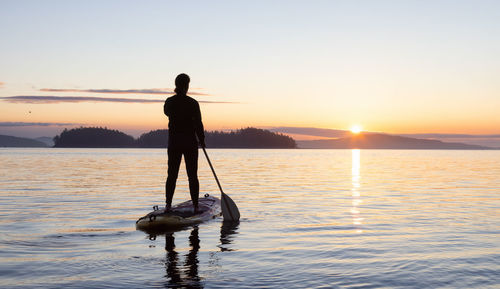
(213, 171)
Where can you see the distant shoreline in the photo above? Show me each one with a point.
(298, 148)
(248, 138)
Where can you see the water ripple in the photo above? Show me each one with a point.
(311, 219)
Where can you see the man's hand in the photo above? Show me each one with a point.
(202, 143)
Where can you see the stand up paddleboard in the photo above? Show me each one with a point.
(180, 215)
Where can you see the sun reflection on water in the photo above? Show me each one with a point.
(355, 190)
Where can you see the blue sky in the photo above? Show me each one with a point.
(394, 66)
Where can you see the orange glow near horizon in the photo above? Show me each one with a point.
(141, 118)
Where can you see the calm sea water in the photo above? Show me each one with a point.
(310, 219)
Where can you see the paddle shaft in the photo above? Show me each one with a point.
(230, 211)
(213, 171)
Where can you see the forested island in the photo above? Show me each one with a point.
(97, 137)
(94, 137)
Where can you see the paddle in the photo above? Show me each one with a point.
(230, 211)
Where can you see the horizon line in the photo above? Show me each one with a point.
(342, 132)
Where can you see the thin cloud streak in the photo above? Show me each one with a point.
(121, 91)
(17, 124)
(36, 99)
(2, 84)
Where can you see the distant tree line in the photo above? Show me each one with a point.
(95, 137)
(153, 139)
(248, 138)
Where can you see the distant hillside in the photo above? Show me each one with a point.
(384, 141)
(242, 138)
(488, 140)
(93, 137)
(12, 141)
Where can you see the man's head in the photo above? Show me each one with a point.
(182, 83)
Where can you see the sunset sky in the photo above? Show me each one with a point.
(388, 66)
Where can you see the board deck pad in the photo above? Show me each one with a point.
(186, 209)
(181, 214)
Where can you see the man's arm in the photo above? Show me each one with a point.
(166, 108)
(198, 125)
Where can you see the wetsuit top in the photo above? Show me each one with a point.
(184, 123)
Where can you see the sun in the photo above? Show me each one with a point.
(356, 129)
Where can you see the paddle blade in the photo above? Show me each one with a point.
(230, 211)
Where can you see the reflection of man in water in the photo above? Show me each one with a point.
(184, 127)
(185, 275)
(191, 278)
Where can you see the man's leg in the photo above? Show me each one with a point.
(191, 159)
(174, 161)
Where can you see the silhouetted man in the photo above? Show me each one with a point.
(184, 127)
